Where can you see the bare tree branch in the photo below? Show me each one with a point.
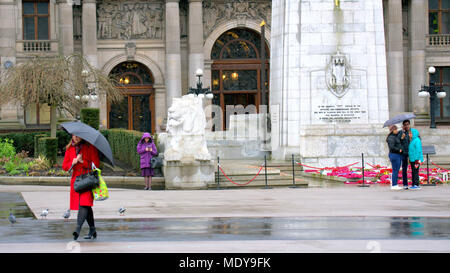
(56, 81)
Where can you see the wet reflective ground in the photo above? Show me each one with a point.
(29, 229)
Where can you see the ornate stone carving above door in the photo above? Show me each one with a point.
(127, 20)
(216, 12)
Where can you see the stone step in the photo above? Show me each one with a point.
(278, 174)
(259, 183)
(261, 176)
(111, 181)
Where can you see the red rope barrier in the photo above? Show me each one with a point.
(325, 168)
(238, 183)
(440, 167)
(309, 166)
(349, 165)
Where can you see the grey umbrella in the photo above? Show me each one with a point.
(399, 119)
(91, 135)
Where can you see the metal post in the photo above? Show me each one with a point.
(428, 175)
(218, 174)
(432, 91)
(265, 172)
(428, 172)
(363, 184)
(293, 173)
(263, 64)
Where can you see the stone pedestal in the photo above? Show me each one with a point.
(188, 175)
(187, 161)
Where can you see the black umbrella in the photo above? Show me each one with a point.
(399, 119)
(91, 135)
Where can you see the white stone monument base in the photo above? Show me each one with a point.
(336, 145)
(188, 175)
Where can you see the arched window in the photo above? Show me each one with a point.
(136, 110)
(238, 43)
(132, 73)
(236, 71)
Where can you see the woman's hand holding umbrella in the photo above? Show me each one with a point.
(79, 158)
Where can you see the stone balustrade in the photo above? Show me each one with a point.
(37, 46)
(438, 40)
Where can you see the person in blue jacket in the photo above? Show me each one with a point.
(415, 156)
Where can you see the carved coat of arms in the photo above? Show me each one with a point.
(338, 75)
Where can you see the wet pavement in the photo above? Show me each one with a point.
(28, 229)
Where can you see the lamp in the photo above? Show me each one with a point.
(94, 96)
(433, 92)
(423, 93)
(441, 95)
(84, 73)
(200, 91)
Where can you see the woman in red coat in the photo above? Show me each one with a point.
(81, 155)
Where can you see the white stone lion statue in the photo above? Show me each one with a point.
(186, 123)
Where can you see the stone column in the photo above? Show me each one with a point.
(8, 32)
(195, 40)
(89, 25)
(89, 49)
(65, 27)
(173, 52)
(397, 101)
(9, 113)
(160, 107)
(285, 98)
(417, 30)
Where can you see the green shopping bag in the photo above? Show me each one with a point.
(101, 192)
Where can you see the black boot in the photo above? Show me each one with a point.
(76, 233)
(81, 217)
(92, 234)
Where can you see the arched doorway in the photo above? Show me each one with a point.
(236, 70)
(137, 109)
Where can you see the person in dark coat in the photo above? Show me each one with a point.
(80, 154)
(404, 140)
(395, 154)
(146, 148)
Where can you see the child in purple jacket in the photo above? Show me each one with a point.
(146, 148)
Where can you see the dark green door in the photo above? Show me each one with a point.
(118, 115)
(142, 119)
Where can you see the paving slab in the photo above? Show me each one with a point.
(277, 202)
(250, 246)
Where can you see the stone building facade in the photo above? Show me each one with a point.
(155, 47)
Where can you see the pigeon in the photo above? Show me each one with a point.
(44, 213)
(122, 211)
(66, 215)
(11, 218)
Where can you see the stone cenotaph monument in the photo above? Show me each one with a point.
(329, 79)
(187, 161)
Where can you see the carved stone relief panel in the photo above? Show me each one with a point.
(127, 20)
(217, 12)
